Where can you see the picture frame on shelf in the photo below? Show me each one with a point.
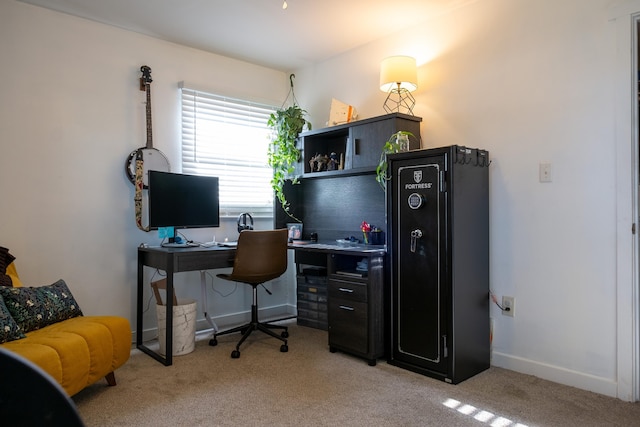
(295, 230)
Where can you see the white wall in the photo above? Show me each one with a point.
(530, 81)
(70, 114)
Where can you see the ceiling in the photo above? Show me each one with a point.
(261, 31)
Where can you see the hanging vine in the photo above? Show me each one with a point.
(286, 123)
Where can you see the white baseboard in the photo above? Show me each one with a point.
(229, 320)
(605, 386)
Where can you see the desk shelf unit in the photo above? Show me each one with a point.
(359, 143)
(333, 204)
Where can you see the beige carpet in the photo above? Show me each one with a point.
(309, 386)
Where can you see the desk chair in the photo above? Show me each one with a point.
(260, 256)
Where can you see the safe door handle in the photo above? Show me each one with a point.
(344, 307)
(415, 235)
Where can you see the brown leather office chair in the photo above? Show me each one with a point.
(260, 256)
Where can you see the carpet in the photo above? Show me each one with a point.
(309, 386)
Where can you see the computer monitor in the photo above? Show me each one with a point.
(183, 201)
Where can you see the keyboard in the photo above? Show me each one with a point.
(179, 245)
(228, 244)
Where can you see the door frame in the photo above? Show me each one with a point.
(624, 19)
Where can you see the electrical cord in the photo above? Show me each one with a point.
(235, 287)
(155, 273)
(495, 301)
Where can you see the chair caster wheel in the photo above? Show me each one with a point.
(235, 354)
(285, 334)
(284, 348)
(213, 342)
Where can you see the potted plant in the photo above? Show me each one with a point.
(283, 154)
(392, 145)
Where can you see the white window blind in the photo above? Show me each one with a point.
(229, 138)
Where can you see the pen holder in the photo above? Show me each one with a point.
(374, 237)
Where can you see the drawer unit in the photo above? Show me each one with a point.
(356, 321)
(312, 301)
(348, 312)
(351, 291)
(349, 325)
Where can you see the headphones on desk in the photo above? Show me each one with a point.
(245, 222)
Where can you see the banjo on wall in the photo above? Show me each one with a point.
(151, 158)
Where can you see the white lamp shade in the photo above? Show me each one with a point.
(398, 70)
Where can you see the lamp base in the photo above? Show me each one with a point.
(398, 100)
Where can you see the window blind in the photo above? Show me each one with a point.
(229, 138)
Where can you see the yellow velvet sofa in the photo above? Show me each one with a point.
(76, 351)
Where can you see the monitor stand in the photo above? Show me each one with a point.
(181, 243)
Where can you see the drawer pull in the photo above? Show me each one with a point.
(344, 307)
(346, 290)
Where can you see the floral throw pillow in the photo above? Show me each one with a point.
(9, 329)
(5, 259)
(36, 307)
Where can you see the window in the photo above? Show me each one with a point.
(229, 138)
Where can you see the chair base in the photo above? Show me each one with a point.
(254, 325)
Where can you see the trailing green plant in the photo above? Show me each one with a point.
(391, 146)
(283, 154)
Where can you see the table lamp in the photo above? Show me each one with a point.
(399, 77)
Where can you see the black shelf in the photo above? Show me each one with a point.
(344, 172)
(357, 144)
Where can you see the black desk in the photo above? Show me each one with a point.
(355, 298)
(174, 260)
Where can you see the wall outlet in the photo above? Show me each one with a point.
(508, 306)
(545, 172)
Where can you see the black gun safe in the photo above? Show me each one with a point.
(438, 247)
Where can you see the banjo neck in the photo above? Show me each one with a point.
(148, 108)
(145, 84)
